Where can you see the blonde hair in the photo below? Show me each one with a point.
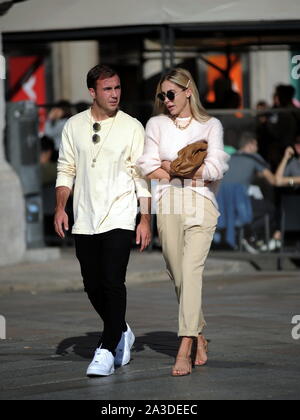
(183, 79)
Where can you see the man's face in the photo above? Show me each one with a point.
(107, 94)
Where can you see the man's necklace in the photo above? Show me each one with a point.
(95, 156)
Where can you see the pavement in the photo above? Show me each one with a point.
(52, 331)
(50, 270)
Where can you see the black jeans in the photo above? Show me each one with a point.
(260, 209)
(103, 260)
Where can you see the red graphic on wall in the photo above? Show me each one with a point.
(27, 81)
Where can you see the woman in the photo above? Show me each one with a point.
(288, 171)
(187, 211)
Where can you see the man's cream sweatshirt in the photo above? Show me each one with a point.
(105, 196)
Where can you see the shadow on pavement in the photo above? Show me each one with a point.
(164, 342)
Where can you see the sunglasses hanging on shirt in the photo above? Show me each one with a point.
(96, 128)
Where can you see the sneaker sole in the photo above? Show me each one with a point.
(93, 373)
(132, 340)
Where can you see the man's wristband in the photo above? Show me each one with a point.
(291, 182)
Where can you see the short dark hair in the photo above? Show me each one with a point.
(65, 106)
(47, 143)
(262, 103)
(246, 138)
(285, 94)
(99, 72)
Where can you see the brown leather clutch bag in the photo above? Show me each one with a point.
(189, 158)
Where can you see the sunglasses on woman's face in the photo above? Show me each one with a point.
(170, 95)
(96, 128)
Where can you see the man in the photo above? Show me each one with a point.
(281, 126)
(98, 153)
(244, 167)
(57, 117)
(247, 163)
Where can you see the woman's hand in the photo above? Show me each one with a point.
(55, 114)
(200, 183)
(196, 177)
(289, 152)
(195, 182)
(166, 165)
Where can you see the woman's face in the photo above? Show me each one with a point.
(180, 105)
(297, 149)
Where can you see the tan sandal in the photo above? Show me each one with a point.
(182, 372)
(201, 362)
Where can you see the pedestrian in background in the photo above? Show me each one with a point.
(57, 118)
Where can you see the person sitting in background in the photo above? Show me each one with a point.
(247, 163)
(244, 166)
(288, 171)
(57, 117)
(288, 180)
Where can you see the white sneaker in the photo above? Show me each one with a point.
(102, 363)
(248, 247)
(123, 348)
(272, 246)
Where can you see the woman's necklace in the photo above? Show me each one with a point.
(95, 156)
(182, 127)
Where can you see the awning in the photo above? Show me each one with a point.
(45, 15)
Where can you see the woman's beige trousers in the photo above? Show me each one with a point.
(186, 224)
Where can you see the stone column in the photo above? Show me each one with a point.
(71, 62)
(267, 70)
(12, 207)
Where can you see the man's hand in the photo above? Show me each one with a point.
(61, 222)
(143, 235)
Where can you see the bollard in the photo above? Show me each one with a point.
(2, 67)
(2, 327)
